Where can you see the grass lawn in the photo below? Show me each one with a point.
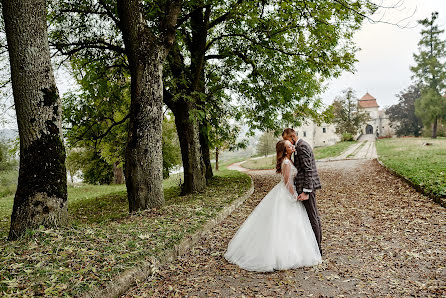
(8, 182)
(102, 239)
(332, 151)
(425, 166)
(267, 163)
(264, 163)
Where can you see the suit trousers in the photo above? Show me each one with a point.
(313, 215)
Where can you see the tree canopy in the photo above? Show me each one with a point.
(402, 115)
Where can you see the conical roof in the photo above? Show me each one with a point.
(368, 101)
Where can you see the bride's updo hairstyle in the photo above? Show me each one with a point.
(281, 153)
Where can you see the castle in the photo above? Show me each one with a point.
(325, 133)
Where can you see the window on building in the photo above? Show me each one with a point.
(305, 133)
(324, 130)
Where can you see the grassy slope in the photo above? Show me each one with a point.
(331, 151)
(264, 163)
(102, 240)
(423, 165)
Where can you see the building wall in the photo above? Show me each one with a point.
(379, 121)
(318, 135)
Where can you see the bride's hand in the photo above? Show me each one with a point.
(303, 197)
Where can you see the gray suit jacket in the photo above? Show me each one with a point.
(307, 177)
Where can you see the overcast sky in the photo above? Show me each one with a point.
(387, 52)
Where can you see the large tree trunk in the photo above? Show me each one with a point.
(205, 152)
(41, 197)
(434, 128)
(199, 26)
(188, 134)
(146, 53)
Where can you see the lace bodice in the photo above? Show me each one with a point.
(289, 171)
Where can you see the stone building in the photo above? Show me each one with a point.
(325, 134)
(318, 135)
(379, 123)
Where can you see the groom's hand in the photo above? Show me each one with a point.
(303, 197)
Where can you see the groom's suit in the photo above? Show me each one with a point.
(307, 180)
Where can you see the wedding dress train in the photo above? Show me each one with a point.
(277, 234)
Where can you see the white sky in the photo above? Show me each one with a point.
(387, 52)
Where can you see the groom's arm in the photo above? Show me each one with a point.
(306, 157)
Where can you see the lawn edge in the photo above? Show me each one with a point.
(121, 283)
(437, 199)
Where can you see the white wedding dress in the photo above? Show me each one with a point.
(277, 234)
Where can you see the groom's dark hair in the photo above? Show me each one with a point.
(288, 131)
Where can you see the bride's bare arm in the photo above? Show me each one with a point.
(286, 172)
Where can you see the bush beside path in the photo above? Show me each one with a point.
(380, 237)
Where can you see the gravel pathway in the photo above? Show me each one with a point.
(380, 238)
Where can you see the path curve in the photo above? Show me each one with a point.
(380, 237)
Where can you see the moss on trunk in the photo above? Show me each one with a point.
(41, 197)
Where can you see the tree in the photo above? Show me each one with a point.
(430, 73)
(146, 49)
(271, 56)
(267, 144)
(41, 197)
(402, 115)
(346, 115)
(171, 146)
(96, 116)
(74, 163)
(224, 137)
(430, 108)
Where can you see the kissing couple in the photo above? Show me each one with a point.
(284, 230)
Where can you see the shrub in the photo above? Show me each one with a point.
(346, 136)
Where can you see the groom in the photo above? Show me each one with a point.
(307, 180)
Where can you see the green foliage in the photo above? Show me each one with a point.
(333, 150)
(430, 107)
(74, 162)
(441, 129)
(266, 144)
(8, 182)
(89, 165)
(423, 165)
(95, 169)
(96, 117)
(402, 115)
(274, 56)
(8, 170)
(346, 136)
(171, 146)
(346, 115)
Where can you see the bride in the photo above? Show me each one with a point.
(277, 234)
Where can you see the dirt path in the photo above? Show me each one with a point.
(363, 149)
(380, 237)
